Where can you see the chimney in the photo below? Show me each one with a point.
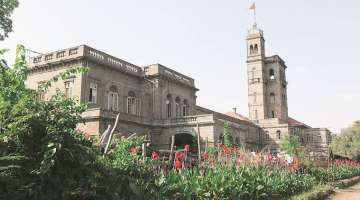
(234, 109)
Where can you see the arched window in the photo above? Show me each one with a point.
(255, 97)
(169, 105)
(272, 97)
(185, 108)
(271, 74)
(278, 134)
(177, 107)
(256, 48)
(256, 114)
(113, 98)
(251, 49)
(133, 104)
(273, 114)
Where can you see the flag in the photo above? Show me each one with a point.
(252, 7)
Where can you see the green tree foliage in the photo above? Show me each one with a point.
(347, 143)
(6, 9)
(228, 140)
(42, 155)
(291, 145)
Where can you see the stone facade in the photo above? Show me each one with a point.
(268, 106)
(159, 102)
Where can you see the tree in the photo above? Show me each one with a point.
(347, 143)
(291, 145)
(6, 9)
(228, 141)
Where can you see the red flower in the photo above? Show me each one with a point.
(179, 155)
(178, 164)
(205, 155)
(225, 149)
(155, 155)
(295, 163)
(187, 147)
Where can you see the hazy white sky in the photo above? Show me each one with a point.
(205, 39)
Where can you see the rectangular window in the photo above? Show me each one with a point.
(168, 108)
(184, 110)
(37, 59)
(60, 54)
(68, 88)
(134, 106)
(73, 51)
(138, 107)
(93, 93)
(113, 101)
(48, 57)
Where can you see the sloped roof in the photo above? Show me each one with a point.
(295, 122)
(236, 115)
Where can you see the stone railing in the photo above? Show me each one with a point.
(112, 61)
(177, 76)
(56, 56)
(88, 52)
(188, 120)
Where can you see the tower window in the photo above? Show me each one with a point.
(273, 114)
(272, 97)
(256, 114)
(271, 74)
(254, 97)
(251, 49)
(255, 48)
(278, 134)
(253, 73)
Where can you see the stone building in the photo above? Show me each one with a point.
(160, 102)
(267, 96)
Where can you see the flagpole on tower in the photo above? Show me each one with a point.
(253, 8)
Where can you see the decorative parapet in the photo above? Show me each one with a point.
(57, 56)
(103, 58)
(87, 52)
(158, 69)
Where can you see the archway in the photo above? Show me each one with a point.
(184, 138)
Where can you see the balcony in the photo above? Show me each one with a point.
(188, 120)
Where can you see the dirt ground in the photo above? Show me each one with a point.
(351, 193)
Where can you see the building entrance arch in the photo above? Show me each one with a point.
(182, 139)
